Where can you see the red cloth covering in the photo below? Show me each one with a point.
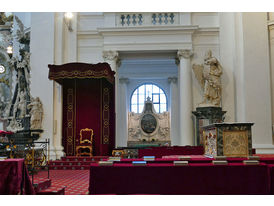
(80, 71)
(194, 179)
(14, 178)
(5, 132)
(271, 171)
(175, 150)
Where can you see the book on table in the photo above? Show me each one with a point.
(151, 158)
(180, 163)
(139, 163)
(219, 162)
(105, 163)
(114, 159)
(251, 162)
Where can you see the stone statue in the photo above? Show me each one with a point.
(210, 81)
(22, 104)
(36, 112)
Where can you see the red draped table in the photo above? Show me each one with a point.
(194, 179)
(14, 178)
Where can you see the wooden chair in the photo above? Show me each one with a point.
(85, 145)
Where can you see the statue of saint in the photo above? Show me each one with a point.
(22, 104)
(210, 81)
(36, 112)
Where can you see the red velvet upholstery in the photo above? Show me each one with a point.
(198, 179)
(14, 178)
(175, 150)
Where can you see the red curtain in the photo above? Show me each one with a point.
(88, 103)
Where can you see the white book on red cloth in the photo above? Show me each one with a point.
(114, 158)
(105, 163)
(139, 163)
(180, 163)
(3, 158)
(251, 162)
(219, 162)
(149, 158)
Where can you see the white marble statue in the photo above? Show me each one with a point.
(36, 112)
(210, 81)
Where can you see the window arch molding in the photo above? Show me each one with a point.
(154, 91)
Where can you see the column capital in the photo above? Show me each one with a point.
(172, 79)
(110, 55)
(185, 53)
(123, 80)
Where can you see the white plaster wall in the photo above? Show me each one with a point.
(42, 54)
(205, 19)
(253, 77)
(271, 43)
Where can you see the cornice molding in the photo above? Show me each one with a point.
(109, 30)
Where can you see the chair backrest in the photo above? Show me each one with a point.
(86, 135)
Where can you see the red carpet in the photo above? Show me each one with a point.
(76, 181)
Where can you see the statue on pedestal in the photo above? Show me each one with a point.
(36, 112)
(209, 110)
(210, 80)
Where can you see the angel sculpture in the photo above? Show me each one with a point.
(210, 81)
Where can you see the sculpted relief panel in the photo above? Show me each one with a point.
(149, 126)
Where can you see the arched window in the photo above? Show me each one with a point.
(141, 93)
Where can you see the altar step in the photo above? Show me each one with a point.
(53, 190)
(74, 163)
(43, 186)
(83, 159)
(69, 167)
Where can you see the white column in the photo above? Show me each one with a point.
(121, 139)
(185, 98)
(112, 58)
(42, 54)
(173, 109)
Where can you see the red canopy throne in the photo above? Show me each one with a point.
(88, 102)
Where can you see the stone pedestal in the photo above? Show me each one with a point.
(205, 116)
(228, 139)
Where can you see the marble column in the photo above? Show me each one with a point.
(173, 109)
(112, 58)
(121, 139)
(185, 98)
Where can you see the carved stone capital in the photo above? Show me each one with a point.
(110, 55)
(123, 80)
(172, 79)
(186, 54)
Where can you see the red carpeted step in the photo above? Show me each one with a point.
(41, 183)
(53, 190)
(59, 167)
(69, 163)
(83, 159)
